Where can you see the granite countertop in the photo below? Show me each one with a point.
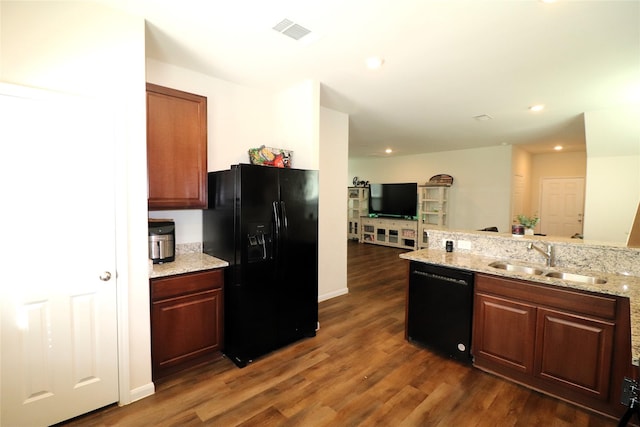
(186, 263)
(619, 285)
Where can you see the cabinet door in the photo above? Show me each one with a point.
(176, 149)
(574, 351)
(504, 332)
(185, 328)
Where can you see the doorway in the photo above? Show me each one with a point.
(562, 206)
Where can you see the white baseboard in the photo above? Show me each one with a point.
(333, 294)
(142, 392)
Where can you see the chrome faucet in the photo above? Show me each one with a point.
(549, 253)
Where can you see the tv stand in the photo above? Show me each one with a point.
(394, 232)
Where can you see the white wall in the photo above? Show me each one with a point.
(521, 183)
(481, 192)
(613, 173)
(87, 49)
(334, 151)
(297, 121)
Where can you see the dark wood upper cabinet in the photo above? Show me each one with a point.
(176, 149)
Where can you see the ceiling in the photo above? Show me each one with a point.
(445, 62)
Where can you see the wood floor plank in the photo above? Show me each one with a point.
(312, 415)
(269, 416)
(266, 378)
(358, 371)
(397, 408)
(435, 406)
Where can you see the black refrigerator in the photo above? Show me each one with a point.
(264, 222)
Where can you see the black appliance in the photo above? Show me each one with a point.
(440, 306)
(264, 222)
(395, 200)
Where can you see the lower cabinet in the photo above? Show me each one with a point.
(504, 332)
(186, 320)
(555, 340)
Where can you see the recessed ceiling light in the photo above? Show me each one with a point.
(374, 62)
(388, 151)
(483, 117)
(558, 147)
(536, 108)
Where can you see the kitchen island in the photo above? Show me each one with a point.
(618, 264)
(574, 336)
(616, 284)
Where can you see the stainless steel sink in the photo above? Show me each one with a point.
(516, 268)
(571, 277)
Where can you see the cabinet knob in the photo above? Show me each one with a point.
(105, 277)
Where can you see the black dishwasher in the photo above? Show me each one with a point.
(439, 309)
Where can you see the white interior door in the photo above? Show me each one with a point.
(562, 206)
(58, 344)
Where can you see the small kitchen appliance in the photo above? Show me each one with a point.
(162, 240)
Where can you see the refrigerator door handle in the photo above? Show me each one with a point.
(285, 221)
(276, 221)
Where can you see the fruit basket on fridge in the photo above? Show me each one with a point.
(267, 156)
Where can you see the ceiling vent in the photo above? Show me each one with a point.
(291, 29)
(483, 117)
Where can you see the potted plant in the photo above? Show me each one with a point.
(529, 223)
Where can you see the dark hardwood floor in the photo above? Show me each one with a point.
(358, 371)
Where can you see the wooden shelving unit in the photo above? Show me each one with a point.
(432, 209)
(357, 207)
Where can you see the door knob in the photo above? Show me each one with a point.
(105, 277)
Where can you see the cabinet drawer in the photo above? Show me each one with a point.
(168, 287)
(547, 295)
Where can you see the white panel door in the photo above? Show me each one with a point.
(58, 344)
(562, 206)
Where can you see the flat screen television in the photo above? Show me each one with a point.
(393, 200)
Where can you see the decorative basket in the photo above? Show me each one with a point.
(267, 156)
